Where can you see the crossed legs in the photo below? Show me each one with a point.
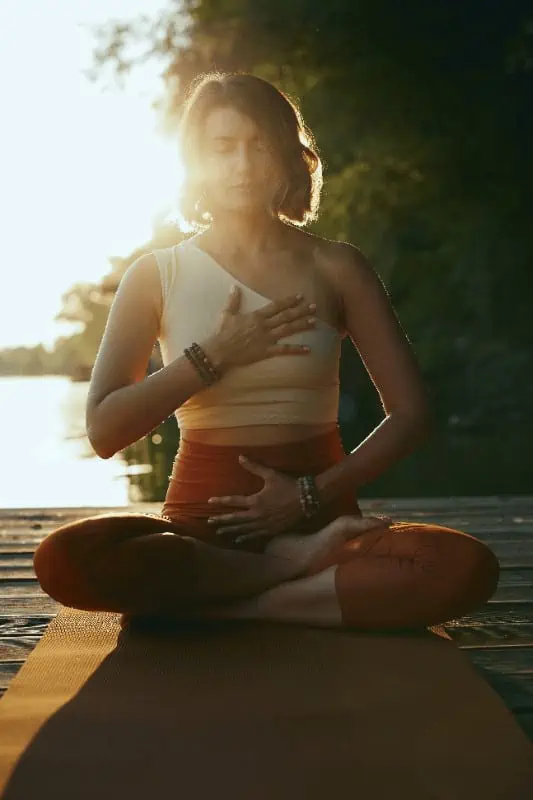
(398, 575)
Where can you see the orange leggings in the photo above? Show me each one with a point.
(402, 575)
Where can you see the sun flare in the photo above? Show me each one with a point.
(87, 172)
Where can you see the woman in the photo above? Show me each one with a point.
(253, 372)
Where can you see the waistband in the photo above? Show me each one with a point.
(293, 455)
(203, 470)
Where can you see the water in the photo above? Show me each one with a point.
(47, 460)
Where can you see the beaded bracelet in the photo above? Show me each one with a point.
(202, 363)
(205, 360)
(198, 366)
(309, 497)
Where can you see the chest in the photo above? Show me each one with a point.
(277, 278)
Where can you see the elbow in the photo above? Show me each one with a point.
(98, 447)
(96, 435)
(419, 419)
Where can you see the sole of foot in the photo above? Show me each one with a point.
(304, 550)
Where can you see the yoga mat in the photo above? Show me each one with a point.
(246, 710)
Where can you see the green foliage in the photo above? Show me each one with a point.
(423, 117)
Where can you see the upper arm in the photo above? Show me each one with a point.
(376, 332)
(131, 330)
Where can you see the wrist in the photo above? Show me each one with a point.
(327, 486)
(310, 500)
(215, 352)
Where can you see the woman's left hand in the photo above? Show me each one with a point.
(271, 511)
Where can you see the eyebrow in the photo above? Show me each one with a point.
(221, 138)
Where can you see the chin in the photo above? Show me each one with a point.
(245, 207)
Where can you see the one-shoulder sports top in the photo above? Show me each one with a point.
(300, 389)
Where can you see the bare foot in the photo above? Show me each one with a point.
(305, 549)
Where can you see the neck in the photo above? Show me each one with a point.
(250, 234)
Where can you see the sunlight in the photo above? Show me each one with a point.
(86, 171)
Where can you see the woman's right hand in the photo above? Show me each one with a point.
(244, 338)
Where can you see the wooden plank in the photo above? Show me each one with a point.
(17, 647)
(515, 690)
(29, 604)
(8, 670)
(489, 635)
(505, 660)
(497, 639)
(29, 625)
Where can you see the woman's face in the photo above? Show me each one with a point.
(238, 168)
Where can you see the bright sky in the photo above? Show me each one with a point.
(83, 170)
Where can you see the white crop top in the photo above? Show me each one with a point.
(281, 389)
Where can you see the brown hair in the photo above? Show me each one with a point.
(277, 116)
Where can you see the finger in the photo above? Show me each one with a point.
(287, 350)
(257, 469)
(279, 305)
(234, 299)
(231, 501)
(260, 534)
(223, 519)
(287, 318)
(286, 328)
(249, 527)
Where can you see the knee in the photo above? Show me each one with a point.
(55, 567)
(477, 569)
(485, 570)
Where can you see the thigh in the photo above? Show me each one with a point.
(426, 545)
(86, 562)
(94, 534)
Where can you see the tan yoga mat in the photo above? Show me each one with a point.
(253, 711)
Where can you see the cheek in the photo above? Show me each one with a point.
(269, 170)
(217, 174)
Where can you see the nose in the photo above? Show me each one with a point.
(243, 163)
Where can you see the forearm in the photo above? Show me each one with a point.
(393, 439)
(128, 414)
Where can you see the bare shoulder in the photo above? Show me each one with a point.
(337, 258)
(346, 267)
(347, 261)
(144, 274)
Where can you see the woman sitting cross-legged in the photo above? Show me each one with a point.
(261, 518)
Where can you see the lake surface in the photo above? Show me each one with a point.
(49, 462)
(47, 459)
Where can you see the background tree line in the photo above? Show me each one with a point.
(423, 115)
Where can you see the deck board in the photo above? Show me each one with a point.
(497, 638)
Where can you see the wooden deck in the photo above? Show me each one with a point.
(498, 638)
